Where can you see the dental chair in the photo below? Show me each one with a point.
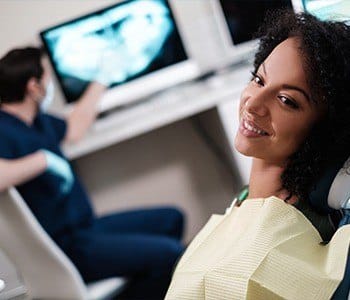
(331, 197)
(47, 272)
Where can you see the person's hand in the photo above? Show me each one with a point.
(58, 166)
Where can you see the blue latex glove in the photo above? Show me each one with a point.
(58, 166)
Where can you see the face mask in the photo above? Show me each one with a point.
(48, 98)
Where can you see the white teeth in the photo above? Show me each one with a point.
(251, 128)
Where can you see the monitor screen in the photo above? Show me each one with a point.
(243, 17)
(239, 21)
(116, 45)
(338, 10)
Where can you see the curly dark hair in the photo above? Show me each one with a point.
(325, 48)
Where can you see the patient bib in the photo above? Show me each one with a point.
(264, 249)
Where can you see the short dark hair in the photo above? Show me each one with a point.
(16, 68)
(325, 46)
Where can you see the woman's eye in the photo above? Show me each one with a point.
(255, 78)
(288, 102)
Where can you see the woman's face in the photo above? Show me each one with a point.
(276, 112)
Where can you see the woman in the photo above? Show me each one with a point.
(293, 117)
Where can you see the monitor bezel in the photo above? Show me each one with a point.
(233, 53)
(298, 5)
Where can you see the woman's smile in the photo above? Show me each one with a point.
(250, 129)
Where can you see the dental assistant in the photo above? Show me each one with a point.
(142, 244)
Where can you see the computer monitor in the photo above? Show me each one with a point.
(133, 46)
(238, 22)
(337, 10)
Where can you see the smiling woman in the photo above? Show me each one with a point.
(276, 115)
(293, 121)
(316, 63)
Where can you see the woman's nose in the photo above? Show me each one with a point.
(256, 105)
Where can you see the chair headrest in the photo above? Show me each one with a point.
(333, 189)
(339, 193)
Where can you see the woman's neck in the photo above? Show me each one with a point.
(265, 180)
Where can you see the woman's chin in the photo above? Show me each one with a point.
(252, 146)
(243, 146)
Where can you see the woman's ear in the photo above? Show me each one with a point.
(287, 196)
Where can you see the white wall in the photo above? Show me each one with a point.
(168, 166)
(22, 20)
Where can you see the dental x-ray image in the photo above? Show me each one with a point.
(113, 45)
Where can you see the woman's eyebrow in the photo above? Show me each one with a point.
(290, 87)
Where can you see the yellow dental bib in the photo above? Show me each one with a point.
(264, 249)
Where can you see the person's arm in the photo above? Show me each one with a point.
(17, 171)
(84, 113)
(20, 170)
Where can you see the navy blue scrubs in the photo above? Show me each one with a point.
(143, 243)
